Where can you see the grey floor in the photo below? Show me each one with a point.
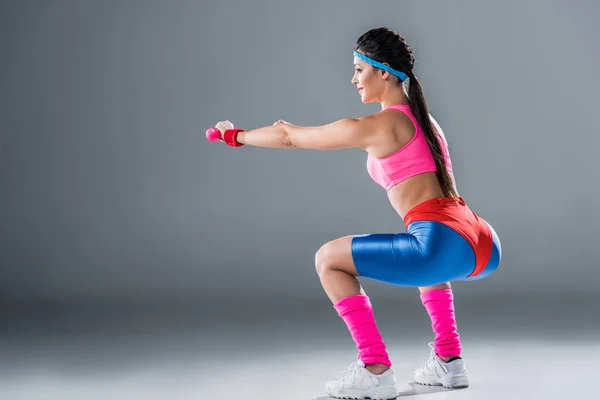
(515, 348)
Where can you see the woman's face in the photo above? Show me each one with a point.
(366, 80)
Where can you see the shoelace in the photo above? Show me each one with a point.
(431, 355)
(347, 371)
(344, 376)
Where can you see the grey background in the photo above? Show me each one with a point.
(140, 261)
(110, 191)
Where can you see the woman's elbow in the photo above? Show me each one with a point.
(288, 141)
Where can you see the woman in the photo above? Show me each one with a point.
(444, 240)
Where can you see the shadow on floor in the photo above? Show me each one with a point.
(414, 390)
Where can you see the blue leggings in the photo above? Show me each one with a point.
(429, 253)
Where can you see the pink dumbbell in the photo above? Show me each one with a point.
(213, 134)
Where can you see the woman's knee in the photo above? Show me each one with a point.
(332, 255)
(323, 258)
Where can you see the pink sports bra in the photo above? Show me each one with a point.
(413, 159)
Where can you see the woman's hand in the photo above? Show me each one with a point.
(280, 122)
(222, 126)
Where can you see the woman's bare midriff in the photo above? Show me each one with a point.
(414, 191)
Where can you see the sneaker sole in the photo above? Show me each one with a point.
(386, 395)
(448, 381)
(365, 398)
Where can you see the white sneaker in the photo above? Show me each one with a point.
(359, 383)
(437, 372)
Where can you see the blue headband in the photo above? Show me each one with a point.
(384, 67)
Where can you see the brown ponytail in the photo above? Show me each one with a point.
(419, 109)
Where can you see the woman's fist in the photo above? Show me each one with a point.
(222, 126)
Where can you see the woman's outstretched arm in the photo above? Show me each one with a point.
(344, 133)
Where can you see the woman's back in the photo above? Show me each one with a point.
(404, 165)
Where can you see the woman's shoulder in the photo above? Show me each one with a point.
(395, 130)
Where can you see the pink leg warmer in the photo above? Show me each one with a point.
(440, 306)
(357, 312)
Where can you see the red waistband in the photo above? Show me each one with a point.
(432, 205)
(454, 213)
